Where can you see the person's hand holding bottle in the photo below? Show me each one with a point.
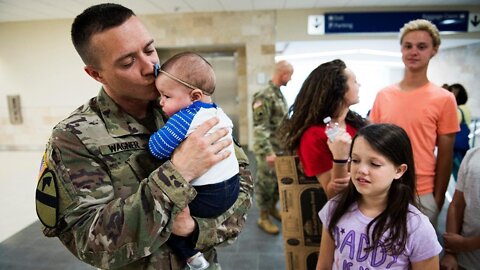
(340, 148)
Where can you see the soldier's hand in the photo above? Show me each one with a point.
(184, 224)
(198, 153)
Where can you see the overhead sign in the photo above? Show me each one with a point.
(391, 22)
(316, 25)
(474, 22)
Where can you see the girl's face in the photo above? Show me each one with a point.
(371, 172)
(353, 87)
(417, 49)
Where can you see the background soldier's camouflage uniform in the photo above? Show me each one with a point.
(269, 108)
(116, 205)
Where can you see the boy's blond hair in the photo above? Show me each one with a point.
(421, 25)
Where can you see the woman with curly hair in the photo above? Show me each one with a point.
(328, 91)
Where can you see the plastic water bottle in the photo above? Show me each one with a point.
(331, 129)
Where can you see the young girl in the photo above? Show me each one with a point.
(374, 224)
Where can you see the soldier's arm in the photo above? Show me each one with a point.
(261, 130)
(99, 228)
(226, 228)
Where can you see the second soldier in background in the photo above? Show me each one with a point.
(269, 108)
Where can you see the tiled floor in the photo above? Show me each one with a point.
(18, 174)
(22, 245)
(28, 249)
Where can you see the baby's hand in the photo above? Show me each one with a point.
(184, 224)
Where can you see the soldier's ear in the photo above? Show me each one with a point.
(94, 73)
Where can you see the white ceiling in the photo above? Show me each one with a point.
(24, 10)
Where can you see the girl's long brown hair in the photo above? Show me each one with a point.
(321, 95)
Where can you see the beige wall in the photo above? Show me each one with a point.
(459, 65)
(252, 34)
(38, 62)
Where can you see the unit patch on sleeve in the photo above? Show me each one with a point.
(46, 199)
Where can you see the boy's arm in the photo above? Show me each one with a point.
(454, 241)
(453, 226)
(455, 213)
(473, 243)
(429, 263)
(443, 167)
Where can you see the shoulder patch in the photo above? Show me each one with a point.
(46, 199)
(43, 164)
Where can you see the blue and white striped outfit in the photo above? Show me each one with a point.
(163, 142)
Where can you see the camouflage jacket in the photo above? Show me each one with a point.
(111, 203)
(269, 108)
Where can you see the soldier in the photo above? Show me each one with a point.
(269, 108)
(100, 191)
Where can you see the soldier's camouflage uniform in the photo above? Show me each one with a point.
(269, 108)
(112, 203)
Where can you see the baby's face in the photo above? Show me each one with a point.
(173, 95)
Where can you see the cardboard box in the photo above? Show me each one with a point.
(301, 198)
(300, 258)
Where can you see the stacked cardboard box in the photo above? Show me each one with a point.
(301, 198)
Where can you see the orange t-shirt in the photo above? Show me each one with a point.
(424, 113)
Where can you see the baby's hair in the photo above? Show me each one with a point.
(392, 142)
(193, 69)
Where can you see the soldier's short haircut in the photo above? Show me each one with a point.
(96, 19)
(421, 25)
(283, 67)
(193, 69)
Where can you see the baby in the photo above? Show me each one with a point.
(186, 82)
